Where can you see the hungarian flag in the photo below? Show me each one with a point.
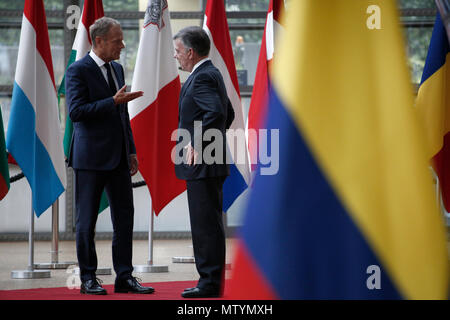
(92, 10)
(4, 171)
(258, 104)
(33, 137)
(154, 116)
(221, 55)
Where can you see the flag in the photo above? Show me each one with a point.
(433, 105)
(221, 55)
(34, 132)
(258, 103)
(92, 10)
(154, 116)
(351, 213)
(4, 170)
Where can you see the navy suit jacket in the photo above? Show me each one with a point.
(101, 129)
(204, 98)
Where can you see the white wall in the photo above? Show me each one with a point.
(15, 211)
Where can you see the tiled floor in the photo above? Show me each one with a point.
(14, 256)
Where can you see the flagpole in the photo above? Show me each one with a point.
(150, 267)
(30, 273)
(55, 264)
(191, 259)
(150, 240)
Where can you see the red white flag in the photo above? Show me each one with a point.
(154, 116)
(221, 55)
(258, 104)
(33, 136)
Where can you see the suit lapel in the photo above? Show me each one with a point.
(191, 76)
(99, 75)
(97, 72)
(185, 86)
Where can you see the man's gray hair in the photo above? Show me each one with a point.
(101, 27)
(196, 39)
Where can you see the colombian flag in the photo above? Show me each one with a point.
(351, 214)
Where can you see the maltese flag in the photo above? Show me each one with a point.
(154, 116)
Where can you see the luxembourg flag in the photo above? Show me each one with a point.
(34, 133)
(221, 55)
(258, 104)
(154, 116)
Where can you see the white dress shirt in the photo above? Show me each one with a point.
(198, 64)
(101, 65)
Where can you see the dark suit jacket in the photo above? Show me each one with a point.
(203, 97)
(101, 129)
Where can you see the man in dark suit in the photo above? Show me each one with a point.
(203, 106)
(103, 155)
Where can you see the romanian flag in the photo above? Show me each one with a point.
(351, 213)
(433, 104)
(4, 170)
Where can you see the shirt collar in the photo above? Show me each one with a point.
(97, 60)
(198, 64)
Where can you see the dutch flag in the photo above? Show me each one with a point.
(221, 55)
(34, 135)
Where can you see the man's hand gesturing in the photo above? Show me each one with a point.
(122, 96)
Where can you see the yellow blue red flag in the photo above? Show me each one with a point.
(351, 213)
(433, 105)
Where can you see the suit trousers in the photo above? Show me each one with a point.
(205, 197)
(89, 185)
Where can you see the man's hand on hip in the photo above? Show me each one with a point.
(134, 164)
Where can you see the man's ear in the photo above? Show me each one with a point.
(96, 41)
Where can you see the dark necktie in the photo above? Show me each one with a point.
(112, 85)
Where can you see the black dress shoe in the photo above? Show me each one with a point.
(92, 287)
(131, 285)
(200, 293)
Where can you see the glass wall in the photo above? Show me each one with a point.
(246, 19)
(418, 20)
